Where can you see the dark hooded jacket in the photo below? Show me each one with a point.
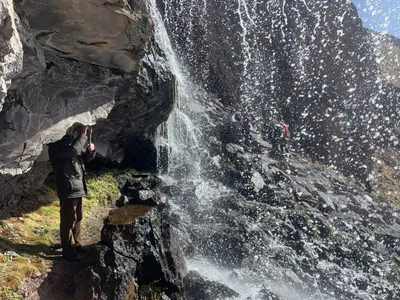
(67, 156)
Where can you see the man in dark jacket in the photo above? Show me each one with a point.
(67, 157)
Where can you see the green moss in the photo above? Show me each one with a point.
(397, 129)
(292, 203)
(154, 292)
(313, 228)
(395, 272)
(345, 179)
(102, 188)
(150, 292)
(24, 236)
(9, 294)
(386, 182)
(29, 230)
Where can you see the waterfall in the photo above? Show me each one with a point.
(178, 139)
(182, 153)
(263, 58)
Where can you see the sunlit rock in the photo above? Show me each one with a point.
(90, 62)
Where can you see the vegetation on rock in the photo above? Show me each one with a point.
(386, 181)
(28, 232)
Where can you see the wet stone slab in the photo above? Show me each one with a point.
(127, 214)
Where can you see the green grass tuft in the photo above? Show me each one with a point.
(18, 228)
(102, 189)
(9, 294)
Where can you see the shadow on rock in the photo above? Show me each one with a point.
(197, 288)
(137, 257)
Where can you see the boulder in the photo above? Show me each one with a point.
(266, 294)
(326, 204)
(138, 250)
(196, 287)
(141, 190)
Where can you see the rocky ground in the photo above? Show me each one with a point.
(294, 227)
(131, 254)
(282, 227)
(58, 281)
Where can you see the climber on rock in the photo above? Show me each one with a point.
(278, 135)
(67, 157)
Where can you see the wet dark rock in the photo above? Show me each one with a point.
(321, 186)
(277, 46)
(121, 201)
(266, 294)
(301, 194)
(221, 244)
(325, 234)
(139, 182)
(135, 255)
(280, 177)
(326, 204)
(172, 190)
(197, 288)
(141, 190)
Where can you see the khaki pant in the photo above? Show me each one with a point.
(70, 222)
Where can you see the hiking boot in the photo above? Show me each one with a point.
(71, 255)
(80, 249)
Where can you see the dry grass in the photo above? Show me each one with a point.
(31, 230)
(387, 176)
(28, 235)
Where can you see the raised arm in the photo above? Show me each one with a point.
(63, 150)
(88, 155)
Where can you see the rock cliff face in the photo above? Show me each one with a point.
(94, 62)
(387, 51)
(286, 229)
(308, 62)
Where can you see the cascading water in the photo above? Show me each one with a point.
(178, 140)
(181, 146)
(254, 56)
(260, 57)
(182, 149)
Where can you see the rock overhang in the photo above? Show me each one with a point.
(93, 62)
(104, 33)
